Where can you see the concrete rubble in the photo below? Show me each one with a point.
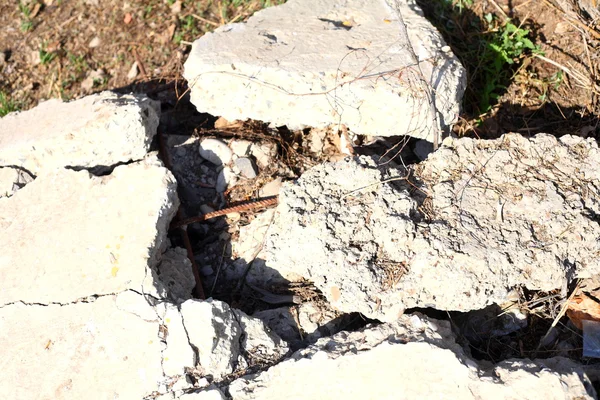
(97, 302)
(414, 357)
(490, 216)
(340, 62)
(93, 300)
(101, 130)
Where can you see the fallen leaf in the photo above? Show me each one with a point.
(583, 307)
(127, 18)
(35, 10)
(170, 32)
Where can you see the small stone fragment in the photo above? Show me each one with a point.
(264, 153)
(215, 151)
(133, 71)
(246, 167)
(240, 148)
(227, 178)
(222, 123)
(95, 42)
(272, 188)
(423, 149)
(225, 336)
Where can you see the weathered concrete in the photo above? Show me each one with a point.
(70, 235)
(486, 217)
(303, 323)
(227, 340)
(99, 130)
(324, 63)
(412, 358)
(74, 350)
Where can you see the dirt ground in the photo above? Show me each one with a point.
(70, 48)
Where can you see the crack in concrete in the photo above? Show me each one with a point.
(187, 335)
(88, 299)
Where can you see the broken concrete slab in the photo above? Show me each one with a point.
(101, 130)
(227, 340)
(69, 235)
(340, 62)
(480, 219)
(401, 360)
(69, 351)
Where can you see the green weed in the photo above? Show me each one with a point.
(78, 62)
(491, 50)
(6, 105)
(26, 22)
(506, 44)
(46, 57)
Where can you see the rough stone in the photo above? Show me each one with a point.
(340, 62)
(215, 151)
(402, 360)
(99, 130)
(258, 341)
(305, 322)
(264, 153)
(226, 178)
(13, 179)
(69, 235)
(213, 331)
(246, 167)
(176, 275)
(272, 188)
(224, 337)
(240, 148)
(499, 215)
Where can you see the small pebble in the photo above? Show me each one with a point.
(225, 179)
(95, 42)
(241, 148)
(215, 151)
(264, 153)
(207, 270)
(271, 189)
(133, 71)
(246, 167)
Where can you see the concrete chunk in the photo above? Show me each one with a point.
(69, 235)
(76, 351)
(414, 358)
(327, 63)
(99, 130)
(490, 216)
(228, 340)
